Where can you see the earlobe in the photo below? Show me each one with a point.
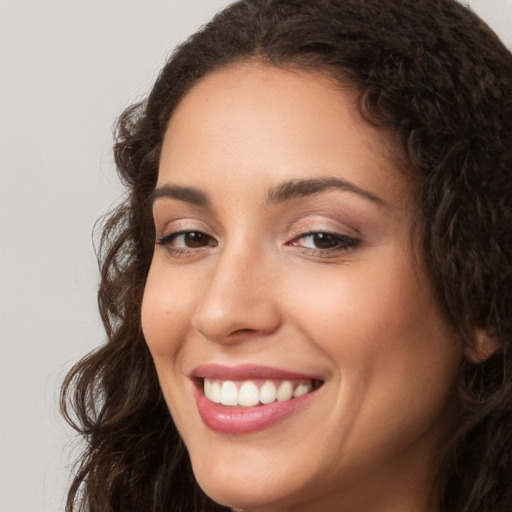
(484, 345)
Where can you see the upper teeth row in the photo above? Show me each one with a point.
(248, 394)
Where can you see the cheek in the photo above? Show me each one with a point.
(165, 319)
(165, 314)
(395, 355)
(378, 322)
(357, 305)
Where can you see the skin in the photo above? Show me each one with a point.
(258, 289)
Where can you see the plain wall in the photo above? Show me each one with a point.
(67, 70)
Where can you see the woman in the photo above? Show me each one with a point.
(307, 291)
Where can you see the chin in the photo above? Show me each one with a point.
(249, 486)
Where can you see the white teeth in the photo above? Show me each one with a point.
(247, 393)
(300, 390)
(214, 392)
(207, 387)
(268, 392)
(284, 391)
(228, 393)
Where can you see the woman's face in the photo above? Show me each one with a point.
(285, 265)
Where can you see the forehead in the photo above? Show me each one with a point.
(282, 123)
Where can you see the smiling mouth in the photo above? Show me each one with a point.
(256, 392)
(246, 399)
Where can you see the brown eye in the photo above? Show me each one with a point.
(195, 239)
(324, 242)
(187, 240)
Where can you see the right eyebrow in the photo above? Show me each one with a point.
(187, 194)
(305, 187)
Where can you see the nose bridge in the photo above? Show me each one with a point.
(238, 295)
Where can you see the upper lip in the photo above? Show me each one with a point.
(247, 372)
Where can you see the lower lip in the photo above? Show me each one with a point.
(244, 420)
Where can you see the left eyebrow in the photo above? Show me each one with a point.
(304, 187)
(187, 194)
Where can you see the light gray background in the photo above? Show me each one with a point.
(67, 69)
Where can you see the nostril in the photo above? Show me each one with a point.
(245, 331)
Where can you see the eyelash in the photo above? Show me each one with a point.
(341, 243)
(167, 240)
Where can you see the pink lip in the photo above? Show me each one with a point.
(247, 372)
(244, 420)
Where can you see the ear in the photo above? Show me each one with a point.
(484, 345)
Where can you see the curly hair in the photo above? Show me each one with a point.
(431, 73)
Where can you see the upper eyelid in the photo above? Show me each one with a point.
(292, 232)
(322, 232)
(340, 236)
(179, 232)
(165, 241)
(169, 226)
(304, 226)
(168, 207)
(302, 234)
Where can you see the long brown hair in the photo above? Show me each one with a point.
(428, 71)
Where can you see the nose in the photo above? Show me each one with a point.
(239, 300)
